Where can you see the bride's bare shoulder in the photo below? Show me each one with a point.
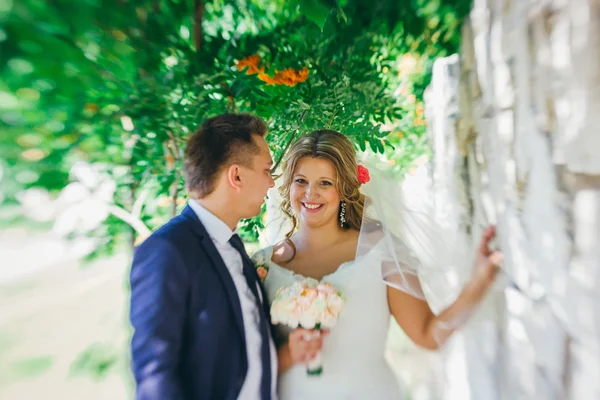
(282, 252)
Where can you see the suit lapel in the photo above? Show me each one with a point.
(219, 266)
(227, 282)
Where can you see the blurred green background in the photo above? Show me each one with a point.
(96, 101)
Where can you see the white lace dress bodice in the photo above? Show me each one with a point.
(354, 366)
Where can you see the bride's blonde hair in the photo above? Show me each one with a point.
(339, 151)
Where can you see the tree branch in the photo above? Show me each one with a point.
(174, 195)
(175, 186)
(133, 221)
(136, 210)
(198, 17)
(230, 97)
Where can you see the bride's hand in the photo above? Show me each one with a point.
(305, 344)
(486, 262)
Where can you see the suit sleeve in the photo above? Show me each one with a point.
(159, 288)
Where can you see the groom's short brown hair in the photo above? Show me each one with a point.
(218, 143)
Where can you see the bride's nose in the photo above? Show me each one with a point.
(311, 192)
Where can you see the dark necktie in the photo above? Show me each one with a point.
(252, 280)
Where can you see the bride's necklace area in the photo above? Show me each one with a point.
(292, 245)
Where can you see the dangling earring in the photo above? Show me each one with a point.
(343, 214)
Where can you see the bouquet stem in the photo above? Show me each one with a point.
(315, 366)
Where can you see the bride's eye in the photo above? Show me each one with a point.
(300, 181)
(326, 183)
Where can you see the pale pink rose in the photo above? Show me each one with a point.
(328, 319)
(308, 319)
(335, 303)
(307, 303)
(291, 305)
(277, 312)
(294, 312)
(310, 282)
(283, 310)
(319, 304)
(312, 314)
(326, 288)
(293, 321)
(280, 292)
(307, 296)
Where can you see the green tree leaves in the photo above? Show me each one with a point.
(124, 83)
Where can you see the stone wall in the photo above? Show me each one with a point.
(513, 126)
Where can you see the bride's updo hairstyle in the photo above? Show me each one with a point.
(339, 151)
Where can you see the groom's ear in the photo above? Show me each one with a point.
(234, 176)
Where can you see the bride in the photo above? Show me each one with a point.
(321, 194)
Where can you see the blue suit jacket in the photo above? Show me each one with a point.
(188, 340)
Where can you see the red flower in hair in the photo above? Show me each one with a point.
(363, 174)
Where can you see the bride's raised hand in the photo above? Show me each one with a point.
(486, 262)
(305, 344)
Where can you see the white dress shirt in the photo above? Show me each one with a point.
(220, 234)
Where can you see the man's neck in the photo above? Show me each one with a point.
(220, 209)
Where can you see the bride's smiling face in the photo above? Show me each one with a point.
(313, 192)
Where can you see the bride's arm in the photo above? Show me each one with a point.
(429, 330)
(424, 327)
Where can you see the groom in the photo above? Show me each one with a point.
(199, 312)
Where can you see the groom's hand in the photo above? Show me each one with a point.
(305, 344)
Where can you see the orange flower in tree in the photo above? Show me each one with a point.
(288, 77)
(419, 111)
(252, 63)
(419, 122)
(302, 74)
(263, 76)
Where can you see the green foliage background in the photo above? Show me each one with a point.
(119, 84)
(122, 83)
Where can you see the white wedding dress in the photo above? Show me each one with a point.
(354, 366)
